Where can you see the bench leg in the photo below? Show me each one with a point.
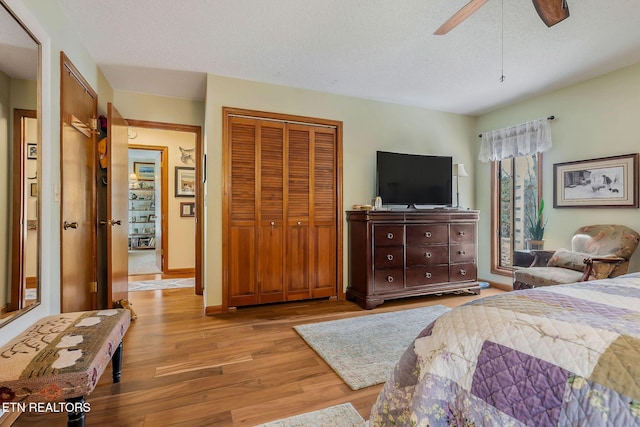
(75, 418)
(116, 364)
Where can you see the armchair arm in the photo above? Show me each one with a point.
(590, 260)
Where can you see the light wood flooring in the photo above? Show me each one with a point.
(235, 369)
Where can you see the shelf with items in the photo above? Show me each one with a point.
(142, 215)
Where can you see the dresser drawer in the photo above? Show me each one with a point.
(388, 256)
(388, 235)
(388, 280)
(462, 233)
(419, 276)
(462, 272)
(420, 235)
(463, 253)
(427, 255)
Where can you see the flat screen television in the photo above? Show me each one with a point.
(412, 179)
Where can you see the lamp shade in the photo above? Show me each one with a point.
(133, 177)
(459, 170)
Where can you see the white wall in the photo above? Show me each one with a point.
(595, 118)
(368, 126)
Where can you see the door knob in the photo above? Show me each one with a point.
(111, 222)
(67, 224)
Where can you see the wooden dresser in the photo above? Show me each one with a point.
(402, 253)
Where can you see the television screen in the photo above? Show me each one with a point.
(411, 179)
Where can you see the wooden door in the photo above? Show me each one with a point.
(282, 220)
(241, 214)
(116, 220)
(78, 191)
(300, 145)
(324, 213)
(270, 249)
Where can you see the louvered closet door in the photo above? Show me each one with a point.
(281, 196)
(324, 213)
(241, 268)
(270, 253)
(311, 261)
(298, 212)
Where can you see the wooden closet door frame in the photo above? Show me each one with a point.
(227, 113)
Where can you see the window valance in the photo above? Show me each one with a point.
(519, 140)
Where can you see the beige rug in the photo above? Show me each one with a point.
(363, 350)
(344, 415)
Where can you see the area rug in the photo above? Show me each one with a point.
(344, 415)
(153, 285)
(363, 350)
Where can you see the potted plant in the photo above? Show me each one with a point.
(536, 227)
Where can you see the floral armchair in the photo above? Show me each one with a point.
(597, 252)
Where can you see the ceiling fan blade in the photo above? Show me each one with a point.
(552, 11)
(466, 11)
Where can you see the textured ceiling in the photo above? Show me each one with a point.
(375, 49)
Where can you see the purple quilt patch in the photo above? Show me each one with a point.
(527, 388)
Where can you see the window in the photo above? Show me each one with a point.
(515, 193)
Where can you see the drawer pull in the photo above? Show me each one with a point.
(389, 279)
(427, 275)
(427, 254)
(463, 272)
(461, 233)
(299, 223)
(390, 257)
(390, 236)
(427, 234)
(461, 252)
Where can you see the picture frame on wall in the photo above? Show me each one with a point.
(146, 171)
(32, 151)
(185, 181)
(187, 209)
(597, 183)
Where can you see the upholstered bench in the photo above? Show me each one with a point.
(60, 359)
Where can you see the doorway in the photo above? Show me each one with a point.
(146, 209)
(169, 243)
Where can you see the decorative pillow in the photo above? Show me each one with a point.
(565, 258)
(575, 261)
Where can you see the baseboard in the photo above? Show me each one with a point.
(212, 309)
(507, 287)
(180, 271)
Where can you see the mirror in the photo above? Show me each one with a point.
(19, 143)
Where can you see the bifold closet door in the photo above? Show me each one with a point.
(324, 213)
(282, 211)
(241, 267)
(270, 251)
(311, 264)
(256, 236)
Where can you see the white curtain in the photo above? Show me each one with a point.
(520, 140)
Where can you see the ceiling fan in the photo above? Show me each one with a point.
(551, 12)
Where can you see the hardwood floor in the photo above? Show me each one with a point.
(240, 368)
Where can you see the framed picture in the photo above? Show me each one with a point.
(145, 171)
(187, 209)
(33, 189)
(185, 182)
(32, 151)
(597, 183)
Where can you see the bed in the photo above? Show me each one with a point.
(553, 356)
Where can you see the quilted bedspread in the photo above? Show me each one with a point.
(556, 356)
